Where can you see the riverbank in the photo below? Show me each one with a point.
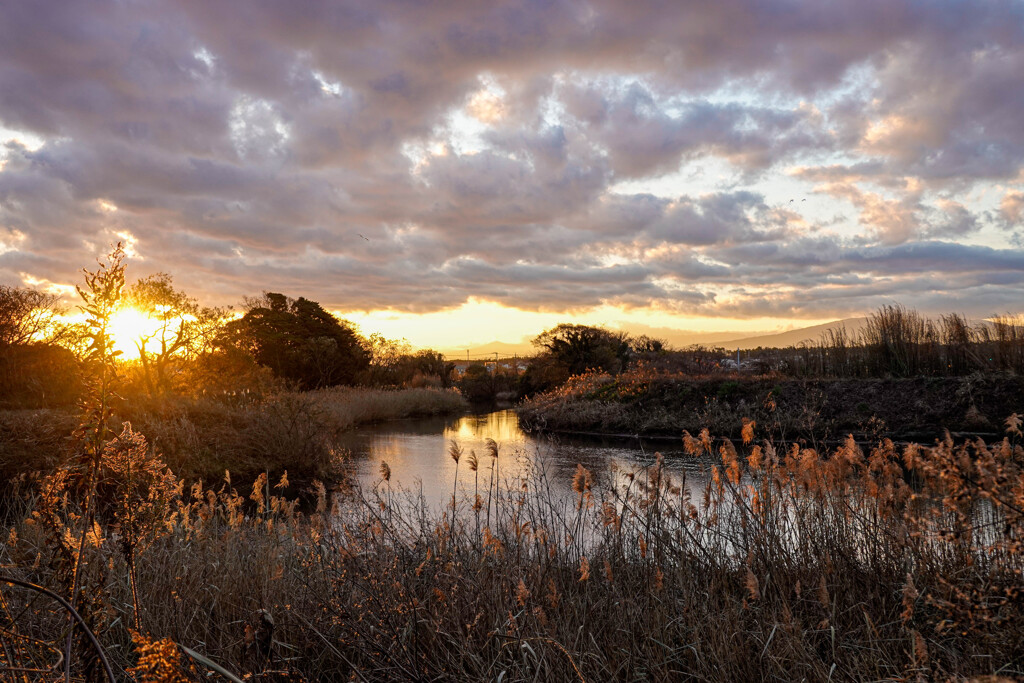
(920, 408)
(201, 437)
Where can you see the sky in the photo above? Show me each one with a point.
(459, 172)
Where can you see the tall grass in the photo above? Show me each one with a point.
(789, 563)
(899, 342)
(894, 342)
(200, 437)
(348, 406)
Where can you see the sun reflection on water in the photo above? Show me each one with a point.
(502, 426)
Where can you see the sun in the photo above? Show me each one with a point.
(128, 327)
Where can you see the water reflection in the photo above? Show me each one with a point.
(417, 453)
(502, 426)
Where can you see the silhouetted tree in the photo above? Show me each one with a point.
(35, 371)
(482, 384)
(569, 349)
(648, 346)
(386, 359)
(28, 315)
(182, 333)
(430, 363)
(298, 340)
(579, 348)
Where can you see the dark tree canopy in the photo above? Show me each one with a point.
(298, 340)
(35, 371)
(569, 349)
(579, 348)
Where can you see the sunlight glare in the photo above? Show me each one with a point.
(128, 327)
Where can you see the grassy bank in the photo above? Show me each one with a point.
(201, 437)
(640, 402)
(788, 565)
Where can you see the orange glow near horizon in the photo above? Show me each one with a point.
(479, 322)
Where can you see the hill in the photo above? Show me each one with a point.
(794, 337)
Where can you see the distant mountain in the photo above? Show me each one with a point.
(675, 338)
(794, 337)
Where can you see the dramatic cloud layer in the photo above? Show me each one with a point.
(798, 159)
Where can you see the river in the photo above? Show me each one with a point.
(416, 451)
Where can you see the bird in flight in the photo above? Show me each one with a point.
(364, 237)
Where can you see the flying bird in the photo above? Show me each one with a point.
(364, 237)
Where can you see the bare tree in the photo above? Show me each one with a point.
(183, 328)
(28, 315)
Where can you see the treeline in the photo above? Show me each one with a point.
(273, 341)
(562, 352)
(277, 340)
(38, 361)
(894, 342)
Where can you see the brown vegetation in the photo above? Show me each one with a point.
(649, 402)
(248, 434)
(886, 563)
(889, 564)
(894, 342)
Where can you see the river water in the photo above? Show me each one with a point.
(417, 453)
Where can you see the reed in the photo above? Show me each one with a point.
(200, 437)
(852, 564)
(894, 341)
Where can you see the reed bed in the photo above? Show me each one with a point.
(346, 407)
(649, 401)
(248, 434)
(894, 341)
(789, 564)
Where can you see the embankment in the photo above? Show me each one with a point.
(920, 408)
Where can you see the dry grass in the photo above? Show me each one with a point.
(31, 441)
(248, 434)
(346, 407)
(789, 564)
(649, 401)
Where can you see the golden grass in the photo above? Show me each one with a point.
(885, 564)
(201, 437)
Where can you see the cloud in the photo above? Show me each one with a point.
(391, 155)
(645, 136)
(1011, 208)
